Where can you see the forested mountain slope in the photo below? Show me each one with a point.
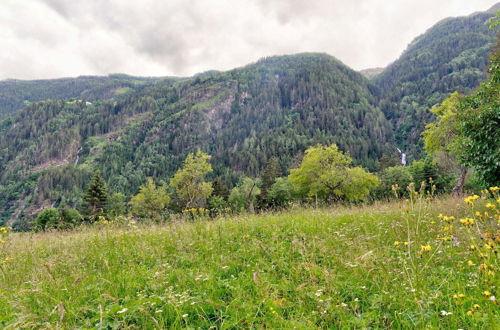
(276, 107)
(450, 56)
(15, 94)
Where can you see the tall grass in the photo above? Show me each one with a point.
(303, 268)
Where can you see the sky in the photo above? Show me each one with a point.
(42, 39)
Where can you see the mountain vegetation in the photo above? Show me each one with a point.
(276, 107)
(16, 94)
(254, 124)
(451, 56)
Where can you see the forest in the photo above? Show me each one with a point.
(266, 116)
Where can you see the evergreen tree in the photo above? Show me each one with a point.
(220, 189)
(271, 172)
(96, 197)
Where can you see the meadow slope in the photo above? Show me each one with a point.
(303, 268)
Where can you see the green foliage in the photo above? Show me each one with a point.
(14, 94)
(322, 172)
(220, 189)
(96, 197)
(150, 202)
(70, 217)
(358, 184)
(451, 56)
(117, 204)
(188, 182)
(281, 193)
(217, 205)
(443, 133)
(325, 174)
(244, 195)
(48, 218)
(271, 172)
(426, 170)
(479, 120)
(396, 175)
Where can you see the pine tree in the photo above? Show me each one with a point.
(220, 189)
(96, 197)
(271, 173)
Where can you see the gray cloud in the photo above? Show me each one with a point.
(54, 38)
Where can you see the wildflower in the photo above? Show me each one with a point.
(470, 263)
(472, 247)
(476, 306)
(397, 243)
(467, 221)
(470, 313)
(425, 248)
(406, 243)
(448, 228)
(445, 313)
(490, 273)
(495, 188)
(185, 315)
(490, 206)
(470, 200)
(486, 293)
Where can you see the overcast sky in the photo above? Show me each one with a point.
(61, 38)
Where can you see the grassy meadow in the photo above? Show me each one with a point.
(391, 265)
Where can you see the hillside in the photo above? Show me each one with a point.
(386, 266)
(16, 94)
(276, 107)
(450, 56)
(371, 72)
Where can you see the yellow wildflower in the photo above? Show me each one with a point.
(476, 306)
(425, 248)
(470, 313)
(486, 293)
(490, 206)
(495, 188)
(470, 263)
(397, 243)
(470, 200)
(467, 221)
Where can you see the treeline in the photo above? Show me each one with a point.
(277, 107)
(324, 175)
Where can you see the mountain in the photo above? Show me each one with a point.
(276, 107)
(55, 133)
(371, 72)
(450, 56)
(15, 94)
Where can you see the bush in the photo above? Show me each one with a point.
(48, 218)
(216, 206)
(396, 175)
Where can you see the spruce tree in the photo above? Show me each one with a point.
(271, 173)
(220, 189)
(96, 197)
